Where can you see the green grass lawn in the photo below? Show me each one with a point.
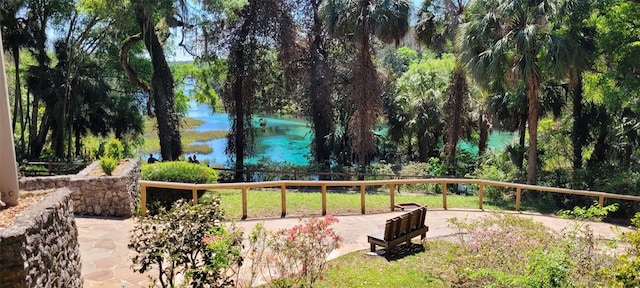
(360, 270)
(267, 203)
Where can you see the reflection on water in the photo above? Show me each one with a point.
(284, 140)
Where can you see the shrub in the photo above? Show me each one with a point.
(379, 169)
(626, 272)
(114, 149)
(266, 164)
(593, 213)
(108, 164)
(512, 251)
(189, 241)
(299, 254)
(488, 172)
(422, 170)
(177, 171)
(548, 269)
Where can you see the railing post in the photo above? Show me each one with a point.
(444, 195)
(363, 190)
(244, 203)
(324, 200)
(480, 195)
(518, 197)
(392, 188)
(143, 200)
(194, 193)
(601, 201)
(283, 196)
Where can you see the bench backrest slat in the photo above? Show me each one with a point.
(390, 228)
(405, 223)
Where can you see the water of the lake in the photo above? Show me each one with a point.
(283, 139)
(280, 140)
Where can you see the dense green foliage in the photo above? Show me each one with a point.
(562, 75)
(176, 171)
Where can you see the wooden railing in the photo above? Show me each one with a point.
(255, 175)
(363, 184)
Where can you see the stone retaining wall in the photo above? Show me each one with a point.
(113, 196)
(41, 248)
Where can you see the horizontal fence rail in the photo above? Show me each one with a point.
(258, 175)
(363, 184)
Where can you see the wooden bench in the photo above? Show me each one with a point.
(400, 229)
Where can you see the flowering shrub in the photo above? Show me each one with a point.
(188, 246)
(299, 254)
(512, 251)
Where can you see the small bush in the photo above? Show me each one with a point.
(295, 257)
(189, 241)
(626, 271)
(375, 169)
(422, 170)
(267, 164)
(593, 213)
(177, 171)
(493, 193)
(114, 149)
(108, 164)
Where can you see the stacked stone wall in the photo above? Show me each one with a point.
(112, 196)
(41, 249)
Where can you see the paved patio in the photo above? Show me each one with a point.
(106, 260)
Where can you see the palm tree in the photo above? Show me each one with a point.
(437, 24)
(581, 38)
(418, 106)
(358, 21)
(507, 41)
(15, 37)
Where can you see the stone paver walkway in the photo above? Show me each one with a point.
(106, 260)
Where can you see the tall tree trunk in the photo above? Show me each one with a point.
(484, 135)
(18, 113)
(320, 95)
(162, 89)
(423, 145)
(78, 141)
(40, 133)
(601, 147)
(57, 131)
(579, 130)
(35, 147)
(455, 94)
(241, 117)
(522, 133)
(532, 160)
(239, 140)
(365, 100)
